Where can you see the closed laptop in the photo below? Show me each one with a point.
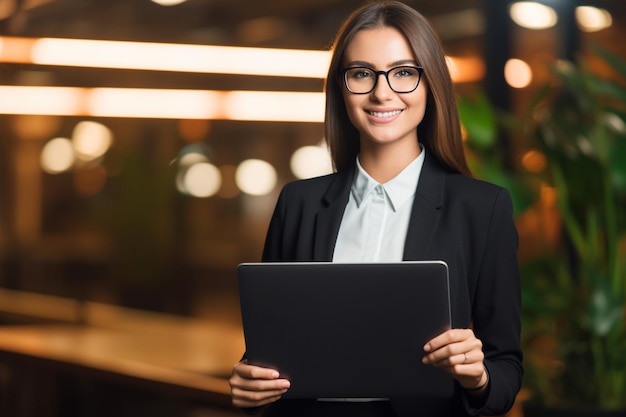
(347, 330)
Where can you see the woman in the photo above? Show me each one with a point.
(403, 191)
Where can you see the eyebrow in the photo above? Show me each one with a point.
(393, 64)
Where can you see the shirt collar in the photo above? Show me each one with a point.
(398, 190)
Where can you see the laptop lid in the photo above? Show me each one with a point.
(342, 330)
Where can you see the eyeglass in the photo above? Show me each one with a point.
(363, 80)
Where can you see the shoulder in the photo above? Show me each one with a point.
(443, 186)
(307, 190)
(306, 186)
(324, 188)
(469, 185)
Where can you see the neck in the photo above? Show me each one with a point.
(383, 163)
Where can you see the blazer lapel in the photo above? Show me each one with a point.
(426, 210)
(328, 219)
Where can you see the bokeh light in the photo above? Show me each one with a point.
(534, 161)
(57, 156)
(517, 73)
(256, 177)
(91, 140)
(191, 158)
(202, 180)
(533, 15)
(593, 19)
(311, 161)
(615, 122)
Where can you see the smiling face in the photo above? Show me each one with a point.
(384, 117)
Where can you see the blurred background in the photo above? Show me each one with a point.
(143, 144)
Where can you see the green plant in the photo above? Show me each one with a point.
(574, 293)
(576, 296)
(486, 158)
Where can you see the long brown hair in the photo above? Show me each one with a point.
(440, 130)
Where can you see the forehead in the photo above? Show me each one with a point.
(380, 47)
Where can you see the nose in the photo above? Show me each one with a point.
(382, 91)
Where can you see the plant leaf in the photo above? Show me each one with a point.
(479, 121)
(605, 307)
(617, 164)
(613, 60)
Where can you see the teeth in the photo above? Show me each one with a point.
(385, 113)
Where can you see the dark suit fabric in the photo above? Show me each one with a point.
(463, 221)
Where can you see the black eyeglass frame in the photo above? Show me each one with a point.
(420, 71)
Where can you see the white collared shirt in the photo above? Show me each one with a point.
(376, 219)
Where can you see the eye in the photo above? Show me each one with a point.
(405, 72)
(360, 73)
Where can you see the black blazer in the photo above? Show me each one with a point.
(467, 223)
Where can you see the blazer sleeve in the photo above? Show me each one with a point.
(272, 250)
(496, 311)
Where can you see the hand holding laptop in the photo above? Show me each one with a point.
(460, 353)
(254, 386)
(284, 304)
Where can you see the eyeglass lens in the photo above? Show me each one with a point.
(361, 80)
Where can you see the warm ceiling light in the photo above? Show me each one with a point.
(274, 106)
(168, 2)
(593, 19)
(178, 57)
(153, 103)
(533, 15)
(55, 101)
(187, 58)
(164, 103)
(16, 50)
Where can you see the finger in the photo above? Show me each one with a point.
(451, 342)
(256, 392)
(467, 358)
(447, 356)
(245, 370)
(468, 351)
(459, 365)
(475, 356)
(258, 385)
(243, 392)
(448, 337)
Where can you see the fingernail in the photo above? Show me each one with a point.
(427, 348)
(275, 374)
